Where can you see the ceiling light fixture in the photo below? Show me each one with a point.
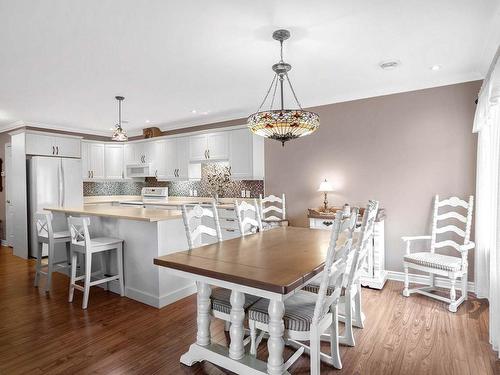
(282, 124)
(389, 65)
(436, 67)
(119, 134)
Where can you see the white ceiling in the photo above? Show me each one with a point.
(62, 62)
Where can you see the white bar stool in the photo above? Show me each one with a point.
(46, 235)
(82, 243)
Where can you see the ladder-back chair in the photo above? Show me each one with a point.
(443, 223)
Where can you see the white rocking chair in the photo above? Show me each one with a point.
(438, 264)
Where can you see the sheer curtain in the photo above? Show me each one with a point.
(487, 228)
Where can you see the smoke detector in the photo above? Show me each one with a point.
(389, 64)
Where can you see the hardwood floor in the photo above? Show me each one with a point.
(44, 334)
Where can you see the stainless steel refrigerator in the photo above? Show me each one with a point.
(52, 182)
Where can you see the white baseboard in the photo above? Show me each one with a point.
(150, 299)
(441, 282)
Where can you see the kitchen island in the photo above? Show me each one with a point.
(148, 233)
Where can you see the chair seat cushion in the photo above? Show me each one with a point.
(61, 234)
(299, 311)
(104, 241)
(221, 300)
(433, 260)
(314, 288)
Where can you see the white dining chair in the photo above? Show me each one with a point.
(203, 227)
(272, 211)
(350, 306)
(82, 243)
(308, 315)
(46, 235)
(438, 264)
(248, 216)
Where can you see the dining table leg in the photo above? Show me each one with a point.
(275, 343)
(236, 331)
(203, 314)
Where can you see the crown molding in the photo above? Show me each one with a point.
(22, 124)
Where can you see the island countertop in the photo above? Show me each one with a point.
(121, 212)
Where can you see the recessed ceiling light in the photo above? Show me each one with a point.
(147, 121)
(193, 111)
(205, 113)
(390, 64)
(435, 67)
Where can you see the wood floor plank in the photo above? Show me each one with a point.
(44, 334)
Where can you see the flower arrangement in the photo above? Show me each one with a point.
(217, 177)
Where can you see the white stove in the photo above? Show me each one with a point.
(150, 195)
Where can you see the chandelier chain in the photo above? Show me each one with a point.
(267, 94)
(293, 91)
(274, 93)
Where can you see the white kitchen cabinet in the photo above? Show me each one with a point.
(85, 160)
(129, 153)
(96, 151)
(170, 159)
(246, 155)
(173, 158)
(155, 154)
(93, 160)
(213, 146)
(45, 144)
(183, 158)
(114, 161)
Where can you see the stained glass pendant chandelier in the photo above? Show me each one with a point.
(119, 134)
(282, 124)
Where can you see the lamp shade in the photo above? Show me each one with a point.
(325, 186)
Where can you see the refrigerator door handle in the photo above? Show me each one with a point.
(60, 178)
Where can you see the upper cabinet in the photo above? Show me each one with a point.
(52, 145)
(114, 161)
(175, 158)
(213, 146)
(102, 160)
(93, 167)
(246, 155)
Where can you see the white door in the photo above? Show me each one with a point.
(241, 160)
(198, 147)
(40, 144)
(155, 154)
(97, 160)
(170, 159)
(9, 207)
(85, 160)
(113, 161)
(218, 146)
(72, 183)
(182, 158)
(67, 147)
(139, 153)
(129, 150)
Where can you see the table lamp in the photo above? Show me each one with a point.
(325, 187)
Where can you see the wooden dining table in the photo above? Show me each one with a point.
(272, 264)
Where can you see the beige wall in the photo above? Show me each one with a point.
(400, 149)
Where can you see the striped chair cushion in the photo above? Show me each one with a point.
(433, 260)
(299, 311)
(221, 300)
(314, 288)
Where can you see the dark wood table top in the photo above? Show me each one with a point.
(278, 260)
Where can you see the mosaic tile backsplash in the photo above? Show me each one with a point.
(232, 189)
